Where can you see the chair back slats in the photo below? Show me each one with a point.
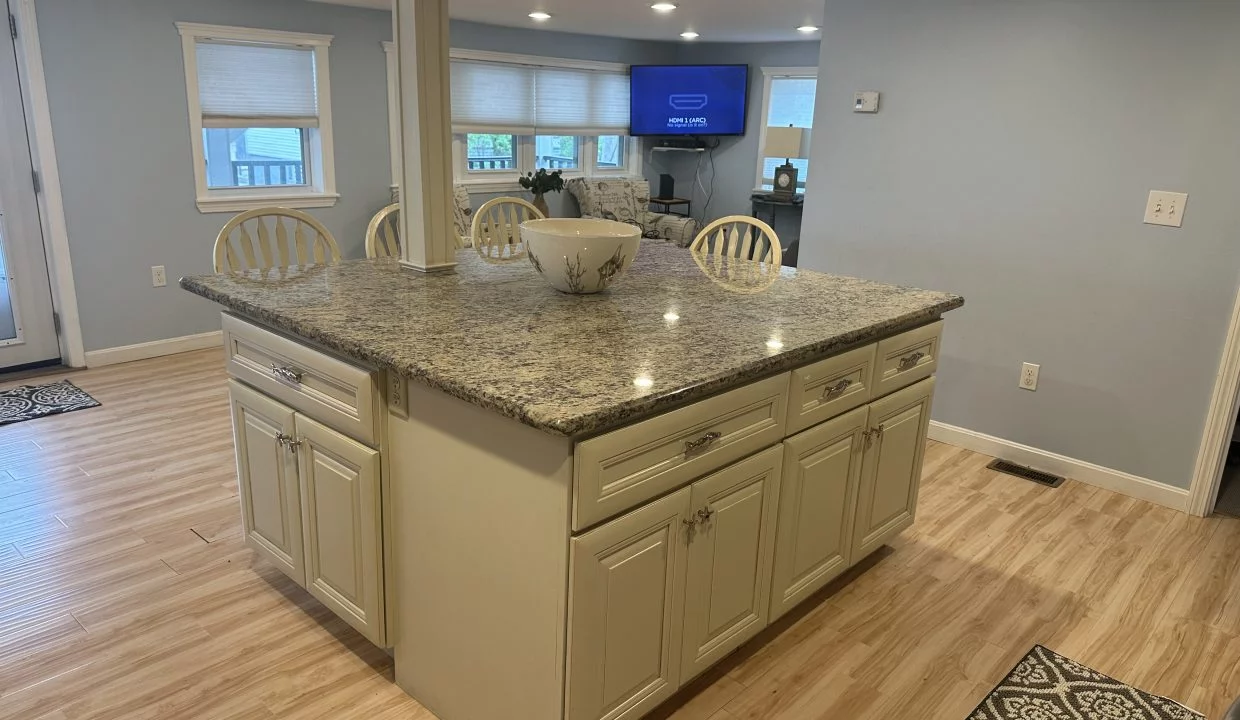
(383, 233)
(248, 242)
(496, 228)
(739, 236)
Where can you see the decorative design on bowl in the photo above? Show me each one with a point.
(580, 255)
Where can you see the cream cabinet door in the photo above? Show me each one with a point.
(267, 479)
(891, 471)
(817, 504)
(728, 585)
(626, 599)
(341, 515)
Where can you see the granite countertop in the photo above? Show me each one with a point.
(498, 336)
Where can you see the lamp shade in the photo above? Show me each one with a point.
(783, 142)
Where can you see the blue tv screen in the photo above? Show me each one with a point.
(688, 99)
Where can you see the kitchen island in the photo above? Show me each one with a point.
(555, 506)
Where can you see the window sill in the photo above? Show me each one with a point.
(253, 202)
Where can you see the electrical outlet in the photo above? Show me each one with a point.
(1165, 208)
(1029, 376)
(158, 277)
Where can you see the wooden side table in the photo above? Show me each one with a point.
(669, 203)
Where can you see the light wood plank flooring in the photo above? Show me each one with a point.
(125, 591)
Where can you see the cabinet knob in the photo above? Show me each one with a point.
(693, 447)
(705, 514)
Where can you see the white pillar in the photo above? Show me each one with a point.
(427, 235)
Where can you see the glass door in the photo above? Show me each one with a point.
(27, 328)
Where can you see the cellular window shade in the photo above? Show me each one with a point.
(256, 85)
(492, 98)
(581, 102)
(792, 102)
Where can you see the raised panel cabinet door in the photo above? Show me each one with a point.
(731, 547)
(626, 599)
(817, 504)
(891, 470)
(267, 479)
(341, 514)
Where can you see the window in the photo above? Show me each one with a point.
(788, 100)
(260, 117)
(514, 114)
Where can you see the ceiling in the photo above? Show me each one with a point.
(715, 20)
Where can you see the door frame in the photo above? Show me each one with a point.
(51, 201)
(1220, 421)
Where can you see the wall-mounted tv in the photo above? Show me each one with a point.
(688, 99)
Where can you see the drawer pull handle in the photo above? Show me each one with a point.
(287, 374)
(693, 447)
(288, 441)
(909, 362)
(836, 390)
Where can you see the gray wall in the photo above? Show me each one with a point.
(736, 159)
(116, 84)
(1010, 163)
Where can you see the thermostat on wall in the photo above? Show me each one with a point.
(865, 102)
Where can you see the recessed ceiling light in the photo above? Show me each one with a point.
(664, 7)
(689, 35)
(807, 29)
(540, 16)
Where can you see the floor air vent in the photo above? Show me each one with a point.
(1027, 473)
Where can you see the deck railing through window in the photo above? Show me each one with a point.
(257, 173)
(552, 162)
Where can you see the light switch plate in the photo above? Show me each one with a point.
(865, 102)
(1166, 208)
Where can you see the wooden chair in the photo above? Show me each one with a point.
(248, 243)
(739, 236)
(496, 230)
(383, 233)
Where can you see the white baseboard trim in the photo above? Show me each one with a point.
(156, 348)
(1120, 482)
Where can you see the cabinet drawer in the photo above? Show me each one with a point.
(625, 467)
(907, 358)
(336, 393)
(830, 387)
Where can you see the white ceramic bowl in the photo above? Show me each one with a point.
(580, 255)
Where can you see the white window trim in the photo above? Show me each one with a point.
(484, 181)
(393, 103)
(535, 60)
(768, 75)
(322, 190)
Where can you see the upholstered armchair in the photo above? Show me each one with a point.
(461, 212)
(628, 200)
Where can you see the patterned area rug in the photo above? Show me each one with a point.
(28, 402)
(1046, 686)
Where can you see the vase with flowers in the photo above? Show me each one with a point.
(541, 183)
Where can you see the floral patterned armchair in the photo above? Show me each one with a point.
(628, 200)
(461, 212)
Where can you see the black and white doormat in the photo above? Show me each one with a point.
(1047, 686)
(28, 402)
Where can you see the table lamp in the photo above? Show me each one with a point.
(786, 142)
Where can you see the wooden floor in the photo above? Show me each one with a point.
(125, 591)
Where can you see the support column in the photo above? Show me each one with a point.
(427, 235)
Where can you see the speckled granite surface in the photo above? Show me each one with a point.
(498, 336)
